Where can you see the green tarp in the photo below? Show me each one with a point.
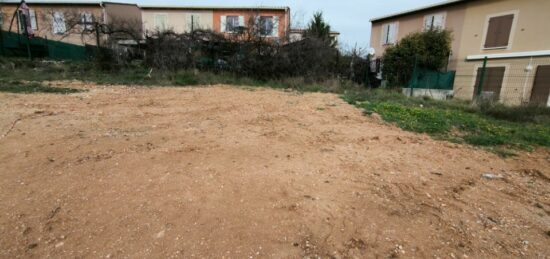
(14, 44)
(429, 79)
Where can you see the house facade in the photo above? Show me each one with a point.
(65, 20)
(273, 21)
(508, 33)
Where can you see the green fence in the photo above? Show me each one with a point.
(15, 45)
(429, 79)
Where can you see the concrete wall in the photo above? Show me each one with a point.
(44, 19)
(178, 19)
(435, 94)
(126, 13)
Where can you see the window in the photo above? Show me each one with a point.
(494, 76)
(59, 26)
(434, 22)
(161, 21)
(87, 19)
(498, 31)
(232, 23)
(31, 19)
(267, 25)
(389, 33)
(194, 22)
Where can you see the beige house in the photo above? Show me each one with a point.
(509, 33)
(180, 20)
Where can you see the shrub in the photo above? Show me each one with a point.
(429, 49)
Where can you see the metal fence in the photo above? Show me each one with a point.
(511, 81)
(14, 44)
(517, 81)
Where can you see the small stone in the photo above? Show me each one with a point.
(161, 234)
(492, 176)
(32, 245)
(60, 244)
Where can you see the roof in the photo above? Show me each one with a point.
(191, 7)
(299, 30)
(57, 2)
(424, 8)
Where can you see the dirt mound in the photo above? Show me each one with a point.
(234, 172)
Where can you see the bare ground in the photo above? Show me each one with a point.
(233, 172)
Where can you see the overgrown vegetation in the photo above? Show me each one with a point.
(429, 50)
(497, 126)
(33, 87)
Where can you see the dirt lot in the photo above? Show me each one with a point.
(227, 172)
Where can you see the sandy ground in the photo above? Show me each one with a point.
(225, 172)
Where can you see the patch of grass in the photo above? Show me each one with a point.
(455, 120)
(33, 87)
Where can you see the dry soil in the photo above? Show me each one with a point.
(233, 172)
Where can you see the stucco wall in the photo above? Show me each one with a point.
(178, 19)
(44, 20)
(126, 13)
(248, 14)
(530, 31)
(517, 83)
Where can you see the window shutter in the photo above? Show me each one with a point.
(428, 22)
(32, 15)
(439, 21)
(392, 35)
(498, 31)
(504, 30)
(275, 32)
(241, 21)
(384, 36)
(223, 21)
(59, 23)
(197, 21)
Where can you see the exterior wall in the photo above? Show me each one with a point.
(517, 83)
(178, 19)
(284, 19)
(44, 20)
(529, 33)
(408, 24)
(123, 12)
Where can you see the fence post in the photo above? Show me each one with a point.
(482, 78)
(415, 75)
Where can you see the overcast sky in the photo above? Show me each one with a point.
(349, 17)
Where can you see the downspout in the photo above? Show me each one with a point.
(528, 69)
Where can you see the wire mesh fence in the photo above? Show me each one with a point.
(518, 81)
(511, 81)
